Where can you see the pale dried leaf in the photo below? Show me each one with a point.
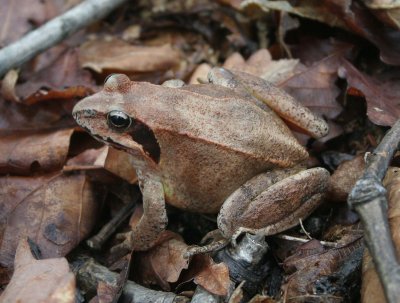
(49, 280)
(164, 263)
(214, 277)
(8, 86)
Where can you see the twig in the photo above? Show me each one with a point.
(97, 241)
(54, 31)
(301, 240)
(368, 198)
(304, 230)
(89, 274)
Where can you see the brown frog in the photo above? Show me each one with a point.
(209, 148)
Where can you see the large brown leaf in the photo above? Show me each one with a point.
(312, 265)
(313, 86)
(382, 96)
(164, 263)
(61, 80)
(346, 14)
(56, 211)
(118, 56)
(49, 281)
(115, 161)
(24, 154)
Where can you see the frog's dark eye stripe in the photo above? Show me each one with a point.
(118, 120)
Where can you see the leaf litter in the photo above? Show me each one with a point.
(57, 186)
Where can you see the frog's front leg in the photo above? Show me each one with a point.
(153, 221)
(273, 201)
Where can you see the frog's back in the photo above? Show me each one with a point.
(219, 117)
(214, 141)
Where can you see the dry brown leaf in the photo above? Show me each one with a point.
(21, 118)
(213, 277)
(16, 18)
(237, 294)
(347, 14)
(382, 97)
(312, 267)
(388, 11)
(120, 164)
(41, 152)
(51, 84)
(115, 161)
(49, 281)
(261, 64)
(56, 211)
(86, 160)
(344, 178)
(164, 263)
(200, 73)
(314, 86)
(115, 55)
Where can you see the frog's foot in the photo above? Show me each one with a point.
(272, 202)
(123, 248)
(212, 247)
(217, 242)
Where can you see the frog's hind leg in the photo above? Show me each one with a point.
(294, 113)
(273, 201)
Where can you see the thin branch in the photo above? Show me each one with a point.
(98, 240)
(368, 198)
(54, 31)
(89, 274)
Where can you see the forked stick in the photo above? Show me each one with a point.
(368, 198)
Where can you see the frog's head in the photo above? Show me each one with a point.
(109, 118)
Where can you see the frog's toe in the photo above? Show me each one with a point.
(123, 236)
(121, 249)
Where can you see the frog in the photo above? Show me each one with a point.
(220, 147)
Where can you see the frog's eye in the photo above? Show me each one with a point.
(118, 120)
